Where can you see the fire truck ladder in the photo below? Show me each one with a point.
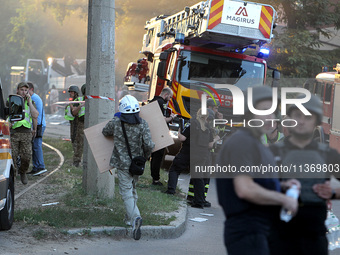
(185, 24)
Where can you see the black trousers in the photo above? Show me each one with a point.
(191, 191)
(302, 244)
(305, 234)
(317, 245)
(199, 190)
(179, 164)
(155, 164)
(250, 244)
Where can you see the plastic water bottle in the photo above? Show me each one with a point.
(331, 221)
(294, 193)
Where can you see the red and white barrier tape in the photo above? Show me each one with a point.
(99, 97)
(79, 102)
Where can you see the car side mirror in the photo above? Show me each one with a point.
(16, 105)
(161, 71)
(276, 75)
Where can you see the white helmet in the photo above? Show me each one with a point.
(129, 104)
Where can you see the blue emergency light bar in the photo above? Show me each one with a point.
(264, 53)
(179, 37)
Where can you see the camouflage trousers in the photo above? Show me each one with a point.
(77, 131)
(21, 146)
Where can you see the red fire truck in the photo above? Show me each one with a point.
(212, 42)
(327, 86)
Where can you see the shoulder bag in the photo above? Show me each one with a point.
(39, 127)
(137, 163)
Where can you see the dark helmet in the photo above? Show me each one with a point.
(83, 89)
(73, 88)
(314, 105)
(260, 93)
(211, 114)
(211, 102)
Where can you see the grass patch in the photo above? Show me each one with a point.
(76, 209)
(39, 234)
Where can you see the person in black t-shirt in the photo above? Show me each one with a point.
(157, 156)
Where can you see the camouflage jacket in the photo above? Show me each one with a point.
(139, 138)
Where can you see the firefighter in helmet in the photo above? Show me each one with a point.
(75, 113)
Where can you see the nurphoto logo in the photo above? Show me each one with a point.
(238, 104)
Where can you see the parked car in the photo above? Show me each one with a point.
(12, 112)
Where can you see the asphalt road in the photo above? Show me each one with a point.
(57, 126)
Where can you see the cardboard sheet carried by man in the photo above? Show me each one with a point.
(102, 146)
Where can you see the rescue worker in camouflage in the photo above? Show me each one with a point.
(139, 139)
(23, 132)
(75, 113)
(78, 110)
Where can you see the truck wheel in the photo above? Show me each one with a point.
(7, 213)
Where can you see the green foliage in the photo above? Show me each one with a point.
(62, 9)
(30, 31)
(294, 55)
(296, 49)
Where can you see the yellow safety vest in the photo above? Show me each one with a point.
(68, 113)
(82, 110)
(27, 122)
(264, 138)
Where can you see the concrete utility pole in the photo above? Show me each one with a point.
(100, 81)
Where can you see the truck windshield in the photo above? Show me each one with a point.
(196, 67)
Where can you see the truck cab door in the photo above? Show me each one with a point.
(35, 73)
(165, 69)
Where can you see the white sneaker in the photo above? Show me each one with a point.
(127, 222)
(40, 172)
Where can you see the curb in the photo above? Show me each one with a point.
(174, 230)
